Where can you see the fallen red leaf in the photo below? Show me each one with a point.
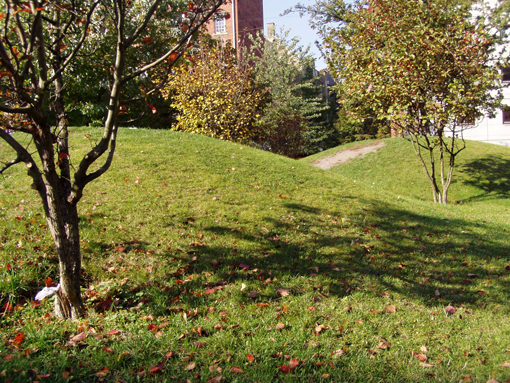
(450, 310)
(293, 363)
(79, 337)
(391, 309)
(237, 370)
(285, 369)
(19, 338)
(48, 282)
(250, 358)
(155, 370)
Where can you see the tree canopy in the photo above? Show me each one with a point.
(296, 121)
(426, 67)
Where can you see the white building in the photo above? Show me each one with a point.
(494, 130)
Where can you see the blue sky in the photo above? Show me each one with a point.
(298, 26)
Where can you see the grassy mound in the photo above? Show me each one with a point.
(206, 259)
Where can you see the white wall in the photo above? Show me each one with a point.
(492, 130)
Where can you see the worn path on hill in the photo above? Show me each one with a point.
(345, 155)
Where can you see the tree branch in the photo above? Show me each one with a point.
(141, 27)
(18, 110)
(76, 49)
(176, 47)
(33, 171)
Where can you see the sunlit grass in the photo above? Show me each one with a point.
(199, 252)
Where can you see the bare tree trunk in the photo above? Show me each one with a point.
(67, 240)
(431, 174)
(62, 218)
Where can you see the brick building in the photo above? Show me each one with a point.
(237, 19)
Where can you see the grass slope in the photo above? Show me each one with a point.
(206, 261)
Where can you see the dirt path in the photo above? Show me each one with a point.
(347, 154)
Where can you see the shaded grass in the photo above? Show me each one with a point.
(187, 242)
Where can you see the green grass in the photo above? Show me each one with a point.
(183, 228)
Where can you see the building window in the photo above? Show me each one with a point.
(506, 116)
(505, 74)
(220, 26)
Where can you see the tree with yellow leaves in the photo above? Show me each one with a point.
(216, 95)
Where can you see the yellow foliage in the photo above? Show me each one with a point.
(216, 96)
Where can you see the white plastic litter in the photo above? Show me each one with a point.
(46, 292)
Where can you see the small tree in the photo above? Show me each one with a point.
(296, 121)
(214, 94)
(41, 43)
(425, 66)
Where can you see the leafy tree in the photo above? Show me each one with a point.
(216, 96)
(425, 66)
(43, 44)
(296, 121)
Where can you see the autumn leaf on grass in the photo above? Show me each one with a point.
(155, 370)
(319, 328)
(285, 369)
(19, 338)
(78, 338)
(338, 353)
(237, 370)
(250, 358)
(284, 292)
(215, 380)
(191, 366)
(215, 368)
(102, 373)
(383, 345)
(426, 365)
(391, 309)
(421, 357)
(506, 365)
(279, 326)
(293, 363)
(450, 310)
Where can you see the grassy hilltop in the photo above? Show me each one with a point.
(211, 261)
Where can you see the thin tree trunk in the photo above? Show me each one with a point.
(431, 175)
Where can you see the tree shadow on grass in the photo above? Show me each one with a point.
(383, 249)
(489, 174)
(378, 248)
